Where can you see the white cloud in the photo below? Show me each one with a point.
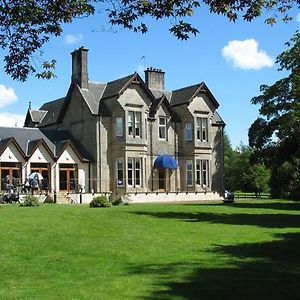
(11, 120)
(7, 96)
(246, 55)
(298, 17)
(73, 38)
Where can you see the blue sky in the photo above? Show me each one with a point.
(233, 59)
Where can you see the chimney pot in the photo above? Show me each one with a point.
(155, 78)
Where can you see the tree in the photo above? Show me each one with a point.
(26, 25)
(277, 132)
(257, 179)
(241, 173)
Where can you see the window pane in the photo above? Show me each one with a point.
(198, 128)
(162, 128)
(130, 122)
(188, 132)
(198, 171)
(119, 126)
(129, 171)
(189, 173)
(137, 122)
(204, 129)
(120, 172)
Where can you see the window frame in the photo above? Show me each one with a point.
(120, 179)
(119, 127)
(135, 172)
(189, 173)
(188, 132)
(202, 129)
(134, 123)
(162, 127)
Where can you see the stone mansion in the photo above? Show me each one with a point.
(129, 135)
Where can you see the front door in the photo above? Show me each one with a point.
(162, 180)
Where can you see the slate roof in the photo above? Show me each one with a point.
(217, 120)
(113, 88)
(93, 95)
(185, 95)
(28, 138)
(53, 109)
(37, 115)
(156, 103)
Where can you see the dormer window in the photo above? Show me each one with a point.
(162, 128)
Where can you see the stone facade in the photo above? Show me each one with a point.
(126, 124)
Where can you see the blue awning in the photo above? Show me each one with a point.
(165, 161)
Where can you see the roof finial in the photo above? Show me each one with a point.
(29, 107)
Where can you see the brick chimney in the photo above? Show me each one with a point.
(79, 67)
(155, 79)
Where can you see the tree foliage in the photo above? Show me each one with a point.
(241, 173)
(26, 25)
(276, 134)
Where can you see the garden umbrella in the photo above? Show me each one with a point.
(36, 175)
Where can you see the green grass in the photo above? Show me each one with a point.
(245, 250)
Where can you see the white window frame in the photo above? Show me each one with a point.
(119, 127)
(162, 128)
(134, 172)
(189, 172)
(188, 132)
(120, 172)
(134, 123)
(205, 172)
(202, 129)
(198, 171)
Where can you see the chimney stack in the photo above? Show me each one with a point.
(80, 68)
(155, 79)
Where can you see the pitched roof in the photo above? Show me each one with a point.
(217, 120)
(53, 109)
(186, 94)
(37, 115)
(4, 143)
(156, 103)
(28, 138)
(32, 145)
(113, 88)
(93, 95)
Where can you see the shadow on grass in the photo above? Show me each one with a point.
(262, 220)
(256, 204)
(269, 270)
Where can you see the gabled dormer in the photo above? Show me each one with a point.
(34, 117)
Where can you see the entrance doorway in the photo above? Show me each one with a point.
(162, 179)
(68, 177)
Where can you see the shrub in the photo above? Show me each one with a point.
(1, 198)
(48, 199)
(115, 200)
(30, 200)
(100, 201)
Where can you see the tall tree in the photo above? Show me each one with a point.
(26, 25)
(277, 132)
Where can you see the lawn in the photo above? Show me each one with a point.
(246, 250)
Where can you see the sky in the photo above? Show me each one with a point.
(233, 59)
